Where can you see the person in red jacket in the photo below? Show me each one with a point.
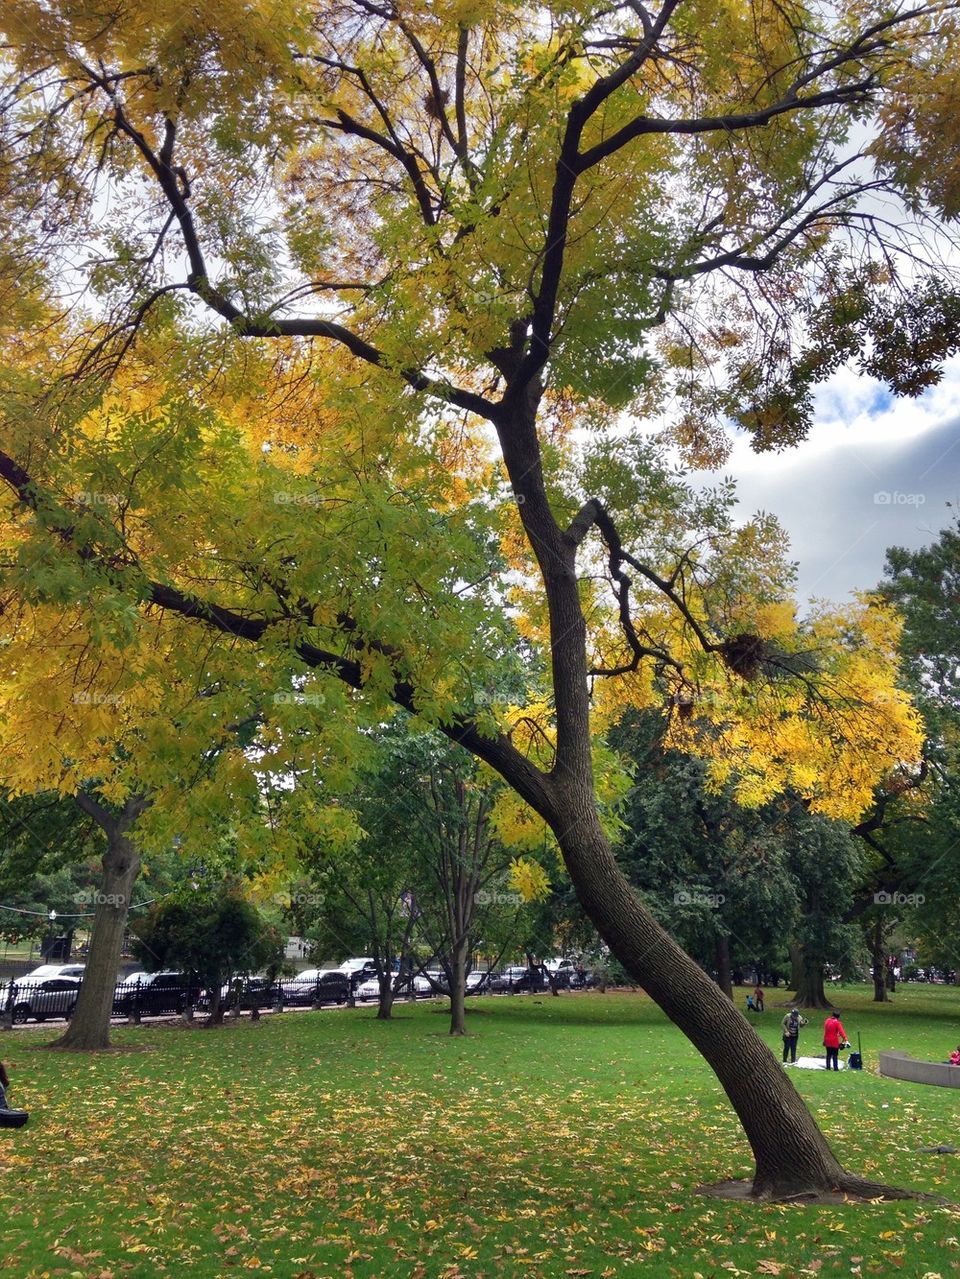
(833, 1036)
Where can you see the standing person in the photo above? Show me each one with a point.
(750, 1005)
(758, 999)
(833, 1036)
(4, 1084)
(791, 1030)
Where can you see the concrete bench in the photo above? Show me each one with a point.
(897, 1065)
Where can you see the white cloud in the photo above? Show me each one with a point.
(875, 472)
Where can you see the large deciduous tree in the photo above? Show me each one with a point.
(403, 249)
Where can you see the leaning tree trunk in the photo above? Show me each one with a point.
(793, 1158)
(792, 1155)
(89, 1028)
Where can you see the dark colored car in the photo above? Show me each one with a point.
(326, 986)
(518, 979)
(358, 976)
(580, 979)
(153, 994)
(531, 979)
(245, 993)
(254, 992)
(52, 997)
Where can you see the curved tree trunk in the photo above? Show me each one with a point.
(793, 1158)
(792, 1155)
(89, 1028)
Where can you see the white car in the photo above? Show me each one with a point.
(369, 989)
(46, 971)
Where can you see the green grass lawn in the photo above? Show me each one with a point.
(563, 1137)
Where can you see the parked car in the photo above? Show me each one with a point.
(55, 970)
(531, 979)
(152, 994)
(359, 970)
(317, 985)
(52, 997)
(245, 992)
(581, 979)
(519, 977)
(498, 983)
(478, 981)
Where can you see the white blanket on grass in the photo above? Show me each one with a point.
(813, 1063)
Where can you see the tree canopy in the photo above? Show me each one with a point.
(323, 321)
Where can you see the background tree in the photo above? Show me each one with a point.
(458, 198)
(426, 878)
(918, 833)
(715, 874)
(210, 933)
(826, 862)
(48, 849)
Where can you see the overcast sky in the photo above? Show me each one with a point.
(874, 473)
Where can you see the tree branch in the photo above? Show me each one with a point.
(499, 752)
(173, 184)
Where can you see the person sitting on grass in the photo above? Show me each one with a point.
(955, 1057)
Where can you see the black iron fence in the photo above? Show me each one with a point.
(24, 999)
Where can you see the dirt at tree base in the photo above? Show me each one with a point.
(868, 1193)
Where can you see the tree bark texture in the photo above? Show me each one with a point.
(810, 992)
(458, 983)
(89, 1028)
(792, 1156)
(878, 956)
(722, 957)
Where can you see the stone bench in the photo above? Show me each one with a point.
(898, 1065)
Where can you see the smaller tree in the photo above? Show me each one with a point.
(827, 863)
(210, 934)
